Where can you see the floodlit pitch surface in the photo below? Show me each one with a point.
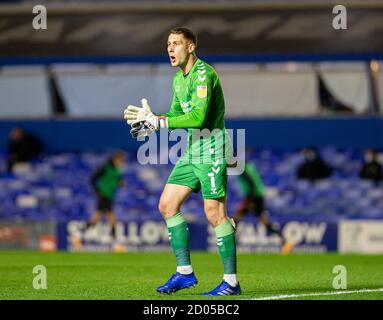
(136, 276)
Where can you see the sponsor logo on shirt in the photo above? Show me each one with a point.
(186, 107)
(201, 91)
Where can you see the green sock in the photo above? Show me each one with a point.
(226, 247)
(179, 238)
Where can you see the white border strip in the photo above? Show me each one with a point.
(287, 296)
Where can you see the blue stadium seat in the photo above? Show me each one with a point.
(61, 184)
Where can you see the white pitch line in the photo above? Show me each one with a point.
(332, 293)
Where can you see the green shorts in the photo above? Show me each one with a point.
(211, 178)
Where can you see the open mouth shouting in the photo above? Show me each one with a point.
(172, 59)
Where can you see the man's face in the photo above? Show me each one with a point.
(369, 156)
(179, 50)
(16, 134)
(310, 155)
(119, 161)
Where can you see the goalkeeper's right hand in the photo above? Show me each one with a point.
(135, 114)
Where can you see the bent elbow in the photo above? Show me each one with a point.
(197, 125)
(199, 121)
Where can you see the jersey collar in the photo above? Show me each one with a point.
(192, 69)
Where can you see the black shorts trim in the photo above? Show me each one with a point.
(104, 204)
(254, 205)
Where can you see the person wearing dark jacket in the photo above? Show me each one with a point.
(22, 147)
(314, 167)
(371, 169)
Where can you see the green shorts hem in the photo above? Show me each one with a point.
(196, 190)
(211, 179)
(214, 196)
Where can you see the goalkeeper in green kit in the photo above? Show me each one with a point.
(198, 105)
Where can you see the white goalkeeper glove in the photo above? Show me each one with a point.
(145, 116)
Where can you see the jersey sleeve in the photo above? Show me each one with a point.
(175, 108)
(200, 101)
(257, 180)
(97, 175)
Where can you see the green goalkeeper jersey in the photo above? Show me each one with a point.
(198, 104)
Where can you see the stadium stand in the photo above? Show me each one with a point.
(57, 187)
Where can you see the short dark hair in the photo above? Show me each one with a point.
(187, 33)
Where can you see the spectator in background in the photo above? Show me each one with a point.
(314, 167)
(371, 169)
(105, 181)
(253, 191)
(22, 147)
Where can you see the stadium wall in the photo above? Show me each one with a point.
(152, 235)
(139, 234)
(60, 135)
(251, 89)
(308, 236)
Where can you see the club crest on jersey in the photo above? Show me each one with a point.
(201, 91)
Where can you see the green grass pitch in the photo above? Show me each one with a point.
(136, 275)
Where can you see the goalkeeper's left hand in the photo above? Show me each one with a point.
(139, 130)
(144, 115)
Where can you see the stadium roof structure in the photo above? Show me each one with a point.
(224, 28)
